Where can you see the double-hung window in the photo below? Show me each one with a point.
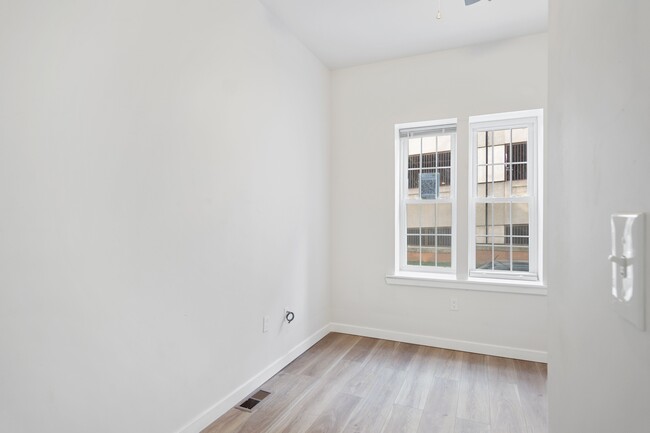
(499, 209)
(426, 199)
(503, 202)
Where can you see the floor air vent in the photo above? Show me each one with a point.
(252, 401)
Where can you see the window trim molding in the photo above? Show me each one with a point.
(535, 199)
(461, 278)
(400, 241)
(447, 281)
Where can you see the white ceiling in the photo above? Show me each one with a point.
(345, 33)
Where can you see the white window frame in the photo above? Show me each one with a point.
(534, 121)
(401, 170)
(462, 275)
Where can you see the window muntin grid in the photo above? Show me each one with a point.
(503, 202)
(521, 160)
(502, 162)
(427, 224)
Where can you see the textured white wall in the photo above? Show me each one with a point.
(599, 149)
(163, 184)
(367, 102)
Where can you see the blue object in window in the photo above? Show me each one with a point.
(429, 183)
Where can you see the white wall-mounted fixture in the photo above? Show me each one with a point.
(628, 263)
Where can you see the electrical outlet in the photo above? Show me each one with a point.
(453, 304)
(265, 323)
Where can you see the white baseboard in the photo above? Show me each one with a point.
(228, 402)
(445, 343)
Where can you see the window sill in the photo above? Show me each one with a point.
(479, 284)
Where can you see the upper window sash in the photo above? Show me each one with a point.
(531, 154)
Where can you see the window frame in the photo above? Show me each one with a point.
(401, 180)
(459, 276)
(534, 121)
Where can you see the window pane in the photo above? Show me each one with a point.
(443, 230)
(428, 241)
(429, 144)
(415, 146)
(413, 185)
(520, 258)
(444, 143)
(413, 218)
(481, 138)
(520, 240)
(413, 173)
(444, 159)
(519, 184)
(429, 159)
(485, 183)
(413, 248)
(501, 137)
(444, 251)
(481, 217)
(520, 213)
(499, 156)
(413, 241)
(520, 135)
(499, 173)
(498, 189)
(427, 215)
(420, 218)
(413, 256)
(518, 153)
(483, 172)
(428, 257)
(483, 252)
(443, 218)
(501, 260)
(517, 171)
(481, 156)
(446, 187)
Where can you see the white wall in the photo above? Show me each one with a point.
(163, 184)
(367, 102)
(599, 148)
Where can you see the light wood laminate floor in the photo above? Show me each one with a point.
(351, 384)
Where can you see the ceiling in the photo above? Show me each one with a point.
(345, 33)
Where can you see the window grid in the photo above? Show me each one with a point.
(510, 241)
(427, 245)
(503, 189)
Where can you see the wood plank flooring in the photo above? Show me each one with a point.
(350, 384)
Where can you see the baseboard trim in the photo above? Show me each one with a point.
(445, 343)
(228, 402)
